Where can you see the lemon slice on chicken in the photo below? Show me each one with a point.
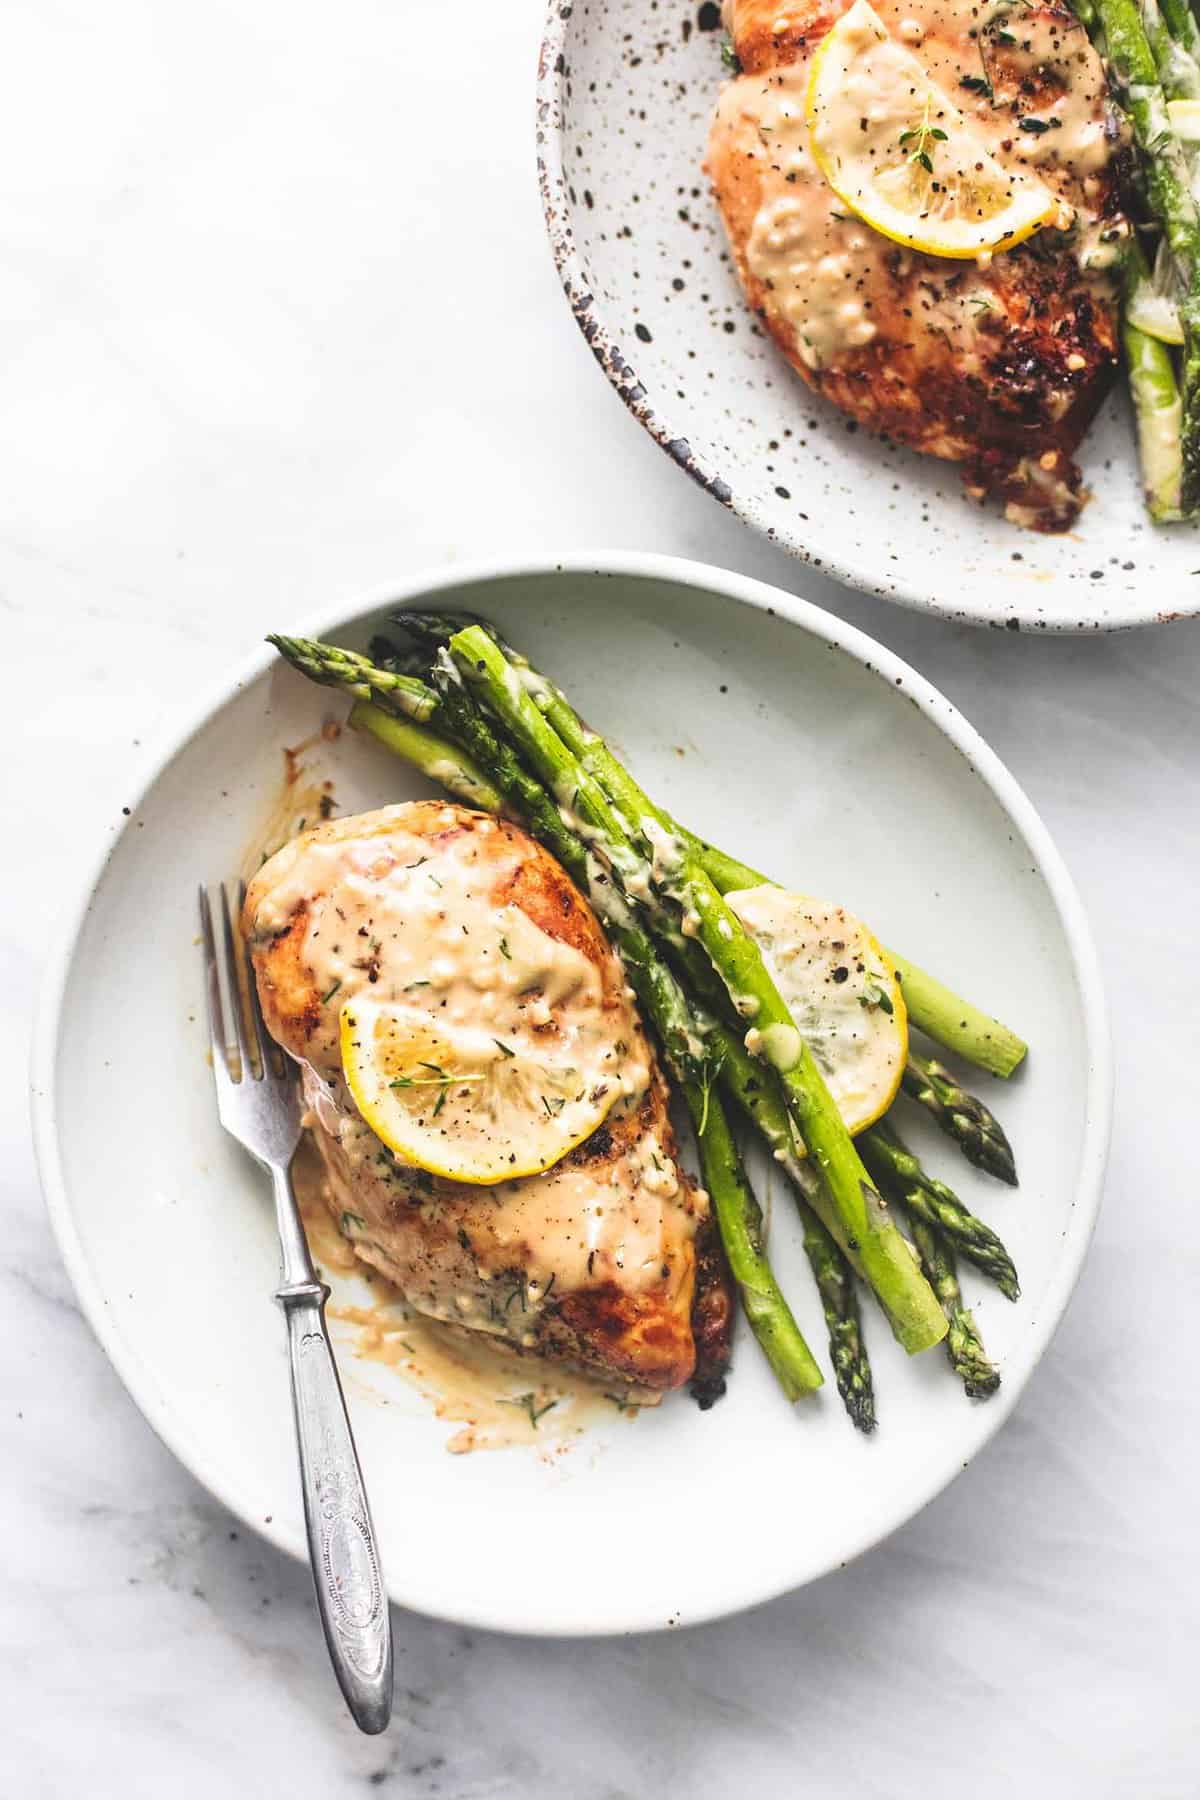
(841, 989)
(897, 151)
(462, 1104)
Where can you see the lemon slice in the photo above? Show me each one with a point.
(897, 151)
(459, 1103)
(841, 990)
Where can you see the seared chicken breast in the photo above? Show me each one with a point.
(997, 363)
(459, 922)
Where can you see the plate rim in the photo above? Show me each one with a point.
(901, 589)
(137, 1375)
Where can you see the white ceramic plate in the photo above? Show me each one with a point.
(798, 743)
(625, 93)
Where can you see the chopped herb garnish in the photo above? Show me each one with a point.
(326, 998)
(729, 56)
(440, 1079)
(351, 1219)
(529, 1404)
(1035, 125)
(505, 952)
(921, 136)
(518, 1290)
(503, 1047)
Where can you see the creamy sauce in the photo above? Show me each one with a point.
(513, 1248)
(406, 920)
(831, 974)
(498, 1398)
(823, 267)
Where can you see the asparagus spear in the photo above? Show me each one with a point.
(358, 675)
(964, 1346)
(739, 1220)
(437, 757)
(886, 1260)
(1170, 31)
(756, 1093)
(901, 1174)
(962, 1116)
(1182, 25)
(1158, 412)
(835, 1284)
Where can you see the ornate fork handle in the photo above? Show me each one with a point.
(341, 1540)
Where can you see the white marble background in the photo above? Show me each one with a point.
(277, 322)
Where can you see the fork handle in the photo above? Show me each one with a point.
(341, 1539)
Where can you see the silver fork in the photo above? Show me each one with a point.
(259, 1105)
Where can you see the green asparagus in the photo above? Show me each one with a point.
(900, 1173)
(964, 1346)
(835, 1284)
(437, 757)
(962, 1116)
(739, 1220)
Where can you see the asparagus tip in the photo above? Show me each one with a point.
(861, 1408)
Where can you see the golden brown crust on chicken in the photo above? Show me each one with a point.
(1000, 367)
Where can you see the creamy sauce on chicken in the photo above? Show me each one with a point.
(386, 918)
(1033, 89)
(565, 1229)
(497, 1397)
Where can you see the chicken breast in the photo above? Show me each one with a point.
(999, 363)
(607, 1260)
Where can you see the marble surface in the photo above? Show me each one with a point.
(277, 322)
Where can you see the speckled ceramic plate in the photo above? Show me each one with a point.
(625, 92)
(804, 747)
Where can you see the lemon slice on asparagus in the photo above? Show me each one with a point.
(462, 1104)
(896, 150)
(841, 989)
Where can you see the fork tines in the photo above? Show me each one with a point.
(233, 992)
